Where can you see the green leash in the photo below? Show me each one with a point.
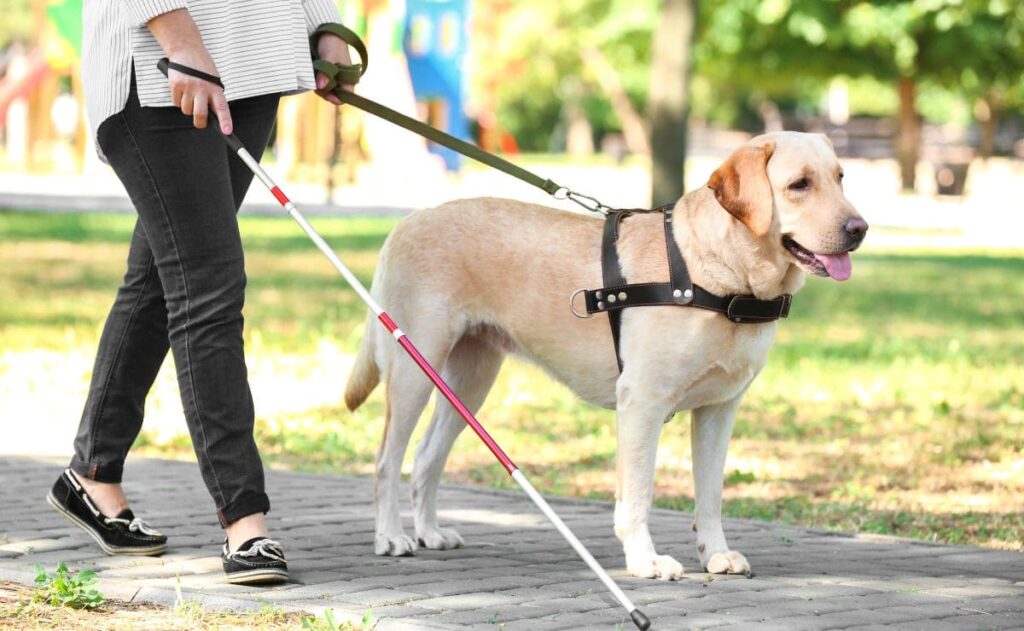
(338, 76)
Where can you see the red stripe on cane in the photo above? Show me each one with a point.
(448, 393)
(388, 323)
(459, 406)
(279, 194)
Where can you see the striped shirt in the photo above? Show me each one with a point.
(259, 47)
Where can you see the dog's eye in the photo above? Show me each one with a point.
(800, 185)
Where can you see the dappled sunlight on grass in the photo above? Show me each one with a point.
(891, 404)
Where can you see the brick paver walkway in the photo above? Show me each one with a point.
(515, 572)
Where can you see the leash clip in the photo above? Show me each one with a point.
(586, 201)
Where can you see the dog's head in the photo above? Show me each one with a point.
(787, 187)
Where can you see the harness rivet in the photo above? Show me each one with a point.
(622, 295)
(600, 305)
(599, 295)
(677, 294)
(688, 294)
(611, 297)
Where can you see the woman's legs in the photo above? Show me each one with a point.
(185, 284)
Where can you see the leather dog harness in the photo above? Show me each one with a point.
(680, 291)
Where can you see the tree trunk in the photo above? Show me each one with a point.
(669, 106)
(634, 131)
(987, 113)
(908, 145)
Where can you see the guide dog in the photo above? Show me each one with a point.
(474, 280)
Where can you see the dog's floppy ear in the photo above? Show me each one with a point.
(741, 186)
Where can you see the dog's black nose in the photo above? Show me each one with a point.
(856, 228)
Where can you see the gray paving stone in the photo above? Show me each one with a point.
(515, 569)
(466, 601)
(986, 621)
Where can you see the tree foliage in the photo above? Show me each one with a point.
(746, 50)
(538, 57)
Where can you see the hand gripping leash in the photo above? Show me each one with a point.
(638, 617)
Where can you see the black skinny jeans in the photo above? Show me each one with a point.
(184, 290)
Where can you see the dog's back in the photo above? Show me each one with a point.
(496, 269)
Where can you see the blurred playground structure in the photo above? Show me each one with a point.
(418, 48)
(493, 71)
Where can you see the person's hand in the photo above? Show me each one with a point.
(332, 48)
(196, 96)
(179, 37)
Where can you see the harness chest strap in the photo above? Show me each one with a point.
(680, 291)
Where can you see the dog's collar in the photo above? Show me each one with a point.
(680, 291)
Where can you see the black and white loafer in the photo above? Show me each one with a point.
(258, 560)
(124, 534)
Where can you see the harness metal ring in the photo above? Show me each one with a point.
(572, 306)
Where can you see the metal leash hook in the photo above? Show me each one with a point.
(586, 201)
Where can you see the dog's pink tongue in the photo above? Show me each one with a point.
(838, 266)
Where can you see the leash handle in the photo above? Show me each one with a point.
(338, 74)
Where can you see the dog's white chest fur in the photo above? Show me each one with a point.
(695, 365)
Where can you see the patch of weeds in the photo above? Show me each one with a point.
(785, 541)
(67, 589)
(326, 622)
(493, 619)
(190, 609)
(269, 614)
(30, 549)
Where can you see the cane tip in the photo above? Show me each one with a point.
(640, 620)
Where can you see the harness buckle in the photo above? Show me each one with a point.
(782, 302)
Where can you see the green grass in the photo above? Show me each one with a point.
(64, 269)
(892, 404)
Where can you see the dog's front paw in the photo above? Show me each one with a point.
(728, 563)
(440, 539)
(397, 546)
(660, 566)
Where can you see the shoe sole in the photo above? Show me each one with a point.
(257, 577)
(107, 548)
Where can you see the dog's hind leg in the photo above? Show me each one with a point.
(710, 429)
(470, 370)
(408, 391)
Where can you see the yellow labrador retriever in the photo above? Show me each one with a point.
(474, 280)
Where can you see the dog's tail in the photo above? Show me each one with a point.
(365, 372)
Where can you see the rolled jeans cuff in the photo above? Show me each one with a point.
(244, 507)
(109, 473)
